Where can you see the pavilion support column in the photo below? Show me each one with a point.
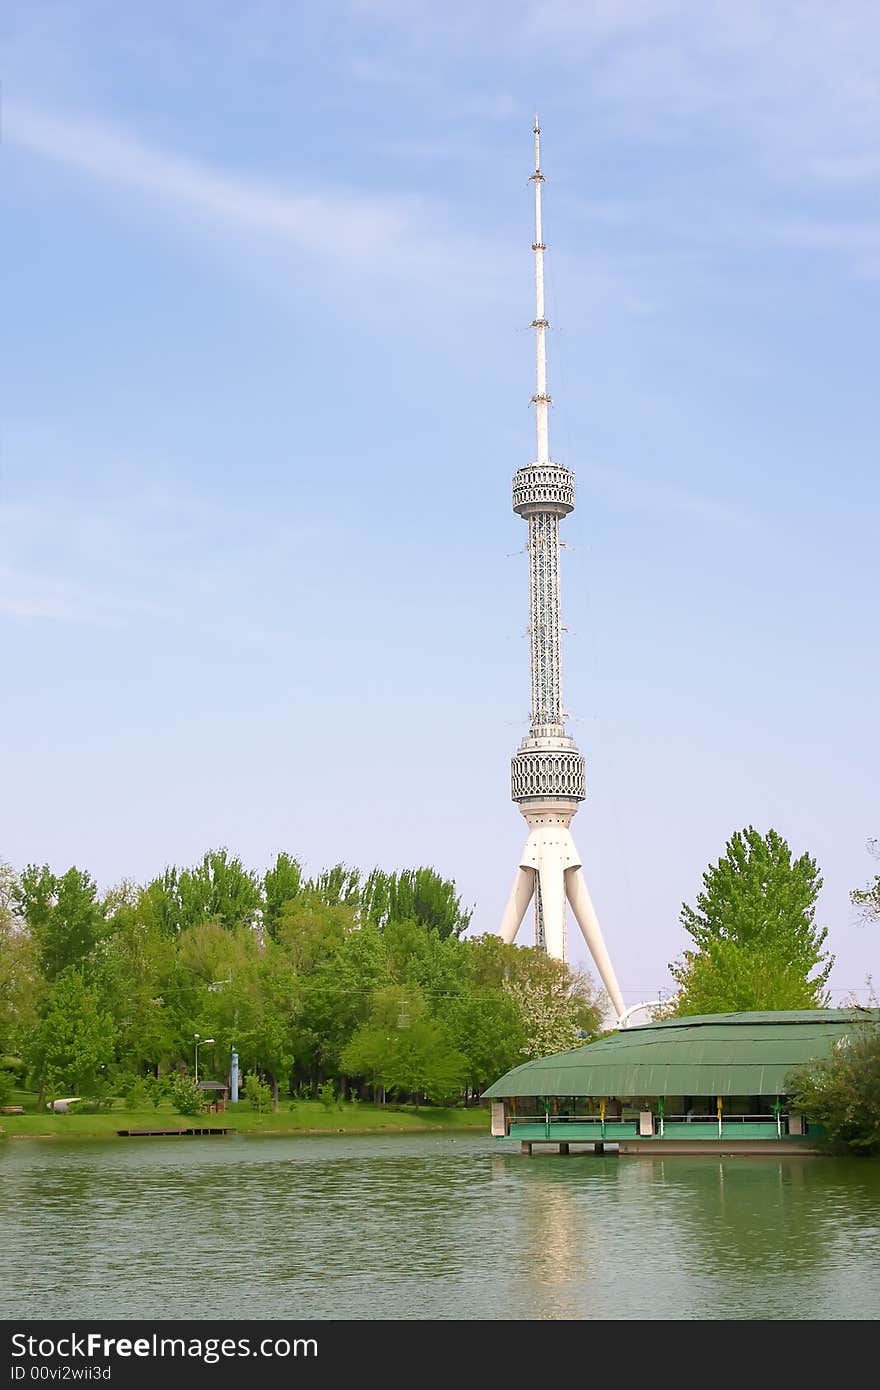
(525, 1147)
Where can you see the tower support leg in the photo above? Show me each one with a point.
(585, 915)
(520, 897)
(552, 877)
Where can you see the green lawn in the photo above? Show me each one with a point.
(294, 1117)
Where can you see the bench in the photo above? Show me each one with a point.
(11, 1109)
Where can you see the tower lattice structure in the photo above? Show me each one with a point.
(548, 780)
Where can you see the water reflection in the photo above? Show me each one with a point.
(431, 1226)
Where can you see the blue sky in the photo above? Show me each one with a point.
(266, 369)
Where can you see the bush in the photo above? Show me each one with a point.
(137, 1093)
(7, 1085)
(327, 1094)
(185, 1095)
(157, 1089)
(257, 1093)
(842, 1093)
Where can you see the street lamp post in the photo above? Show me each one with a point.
(200, 1042)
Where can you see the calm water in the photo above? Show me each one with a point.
(428, 1226)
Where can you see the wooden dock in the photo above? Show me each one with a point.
(161, 1133)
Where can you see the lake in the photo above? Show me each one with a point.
(429, 1226)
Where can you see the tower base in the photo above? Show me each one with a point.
(551, 865)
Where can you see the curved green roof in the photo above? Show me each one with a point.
(738, 1054)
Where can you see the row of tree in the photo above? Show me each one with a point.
(367, 983)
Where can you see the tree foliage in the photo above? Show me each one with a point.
(842, 1092)
(757, 945)
(63, 915)
(414, 895)
(405, 1050)
(281, 885)
(21, 983)
(334, 981)
(73, 1039)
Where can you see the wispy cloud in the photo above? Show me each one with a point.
(402, 238)
(151, 559)
(801, 79)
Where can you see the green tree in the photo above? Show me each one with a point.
(757, 945)
(414, 895)
(20, 980)
(63, 915)
(73, 1039)
(218, 889)
(842, 1092)
(132, 967)
(339, 886)
(487, 1028)
(405, 1051)
(337, 964)
(257, 1093)
(281, 884)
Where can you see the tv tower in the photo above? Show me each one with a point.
(547, 770)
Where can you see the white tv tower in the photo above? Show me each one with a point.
(547, 770)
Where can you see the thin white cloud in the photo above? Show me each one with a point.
(383, 238)
(801, 79)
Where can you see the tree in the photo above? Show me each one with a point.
(218, 889)
(267, 1005)
(414, 895)
(63, 914)
(20, 980)
(257, 1093)
(842, 1092)
(757, 946)
(559, 1007)
(488, 1029)
(73, 1039)
(338, 965)
(867, 900)
(337, 886)
(132, 969)
(403, 1050)
(281, 884)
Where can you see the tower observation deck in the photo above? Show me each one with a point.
(548, 780)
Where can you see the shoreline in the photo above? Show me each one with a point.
(367, 1121)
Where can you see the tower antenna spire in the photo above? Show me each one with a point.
(541, 400)
(547, 771)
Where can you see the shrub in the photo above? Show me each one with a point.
(137, 1093)
(842, 1092)
(257, 1093)
(185, 1095)
(157, 1089)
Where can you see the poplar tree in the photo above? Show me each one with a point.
(753, 927)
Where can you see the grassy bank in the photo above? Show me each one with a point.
(294, 1117)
